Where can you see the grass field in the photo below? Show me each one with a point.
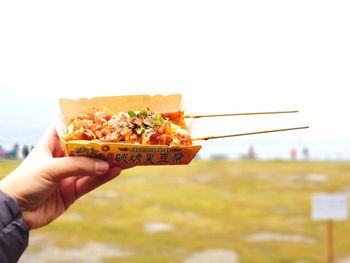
(259, 210)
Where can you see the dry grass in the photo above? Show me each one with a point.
(210, 205)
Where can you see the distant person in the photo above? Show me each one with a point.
(15, 151)
(41, 189)
(293, 153)
(3, 153)
(306, 153)
(25, 151)
(10, 154)
(251, 152)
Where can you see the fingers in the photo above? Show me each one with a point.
(53, 142)
(60, 168)
(87, 184)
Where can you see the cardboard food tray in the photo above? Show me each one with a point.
(123, 154)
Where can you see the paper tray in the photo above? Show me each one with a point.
(123, 154)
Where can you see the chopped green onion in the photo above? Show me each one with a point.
(139, 130)
(131, 113)
(158, 120)
(142, 113)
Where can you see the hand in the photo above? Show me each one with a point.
(46, 183)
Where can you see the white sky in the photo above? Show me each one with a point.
(224, 56)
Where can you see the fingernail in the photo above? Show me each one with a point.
(101, 167)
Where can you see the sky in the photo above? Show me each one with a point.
(223, 56)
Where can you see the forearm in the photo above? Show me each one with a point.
(13, 231)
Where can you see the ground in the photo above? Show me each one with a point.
(208, 211)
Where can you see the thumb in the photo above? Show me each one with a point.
(60, 168)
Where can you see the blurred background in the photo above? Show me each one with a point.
(244, 199)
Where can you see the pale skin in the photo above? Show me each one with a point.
(47, 183)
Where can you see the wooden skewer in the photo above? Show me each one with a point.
(239, 114)
(247, 133)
